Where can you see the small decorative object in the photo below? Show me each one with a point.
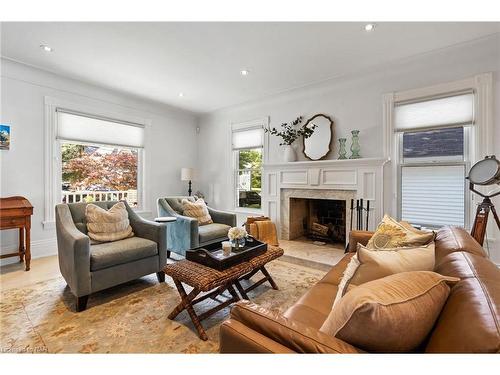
(4, 137)
(226, 248)
(342, 150)
(237, 237)
(355, 147)
(318, 145)
(187, 175)
(289, 135)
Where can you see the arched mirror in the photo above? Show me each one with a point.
(317, 146)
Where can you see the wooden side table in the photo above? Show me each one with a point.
(15, 212)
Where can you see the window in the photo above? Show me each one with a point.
(248, 149)
(100, 159)
(433, 143)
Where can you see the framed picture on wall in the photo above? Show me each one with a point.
(4, 137)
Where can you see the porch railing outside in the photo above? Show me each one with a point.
(89, 196)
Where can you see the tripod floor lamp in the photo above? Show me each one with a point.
(485, 172)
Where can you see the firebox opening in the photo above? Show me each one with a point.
(318, 219)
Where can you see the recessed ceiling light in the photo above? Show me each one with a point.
(369, 27)
(244, 72)
(181, 95)
(46, 48)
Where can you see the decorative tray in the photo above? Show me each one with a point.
(213, 256)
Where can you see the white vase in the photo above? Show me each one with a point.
(289, 154)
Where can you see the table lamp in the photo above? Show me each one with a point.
(187, 175)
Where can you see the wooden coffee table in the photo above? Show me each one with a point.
(213, 282)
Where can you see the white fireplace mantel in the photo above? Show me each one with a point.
(364, 177)
(374, 162)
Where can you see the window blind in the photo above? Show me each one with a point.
(433, 195)
(249, 138)
(80, 128)
(439, 112)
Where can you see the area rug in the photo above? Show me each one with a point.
(130, 318)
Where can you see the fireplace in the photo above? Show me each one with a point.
(318, 219)
(324, 209)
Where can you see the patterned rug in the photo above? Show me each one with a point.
(130, 318)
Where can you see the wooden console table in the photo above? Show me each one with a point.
(15, 212)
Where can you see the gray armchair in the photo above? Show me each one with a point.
(185, 233)
(89, 268)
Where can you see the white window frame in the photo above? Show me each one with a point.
(479, 136)
(242, 126)
(52, 151)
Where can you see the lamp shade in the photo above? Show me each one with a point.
(187, 174)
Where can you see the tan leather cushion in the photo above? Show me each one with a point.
(470, 320)
(108, 225)
(314, 306)
(452, 239)
(390, 234)
(301, 338)
(392, 314)
(197, 210)
(368, 264)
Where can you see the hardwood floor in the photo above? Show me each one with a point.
(14, 275)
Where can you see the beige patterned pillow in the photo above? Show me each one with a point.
(370, 264)
(108, 225)
(390, 234)
(392, 314)
(197, 210)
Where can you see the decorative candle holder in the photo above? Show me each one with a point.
(355, 147)
(342, 150)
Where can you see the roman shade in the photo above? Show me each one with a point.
(435, 112)
(94, 130)
(433, 195)
(248, 138)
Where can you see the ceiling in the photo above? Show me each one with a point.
(203, 60)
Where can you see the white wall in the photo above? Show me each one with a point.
(171, 144)
(354, 102)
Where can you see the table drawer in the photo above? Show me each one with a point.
(12, 222)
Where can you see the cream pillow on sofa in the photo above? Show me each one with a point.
(369, 264)
(197, 210)
(108, 225)
(392, 314)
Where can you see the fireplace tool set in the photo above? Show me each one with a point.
(360, 210)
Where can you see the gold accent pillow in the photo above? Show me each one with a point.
(197, 210)
(368, 264)
(108, 225)
(392, 314)
(391, 233)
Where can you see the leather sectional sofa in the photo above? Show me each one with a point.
(468, 323)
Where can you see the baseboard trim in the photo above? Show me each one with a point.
(39, 249)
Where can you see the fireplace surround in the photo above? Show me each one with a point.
(326, 179)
